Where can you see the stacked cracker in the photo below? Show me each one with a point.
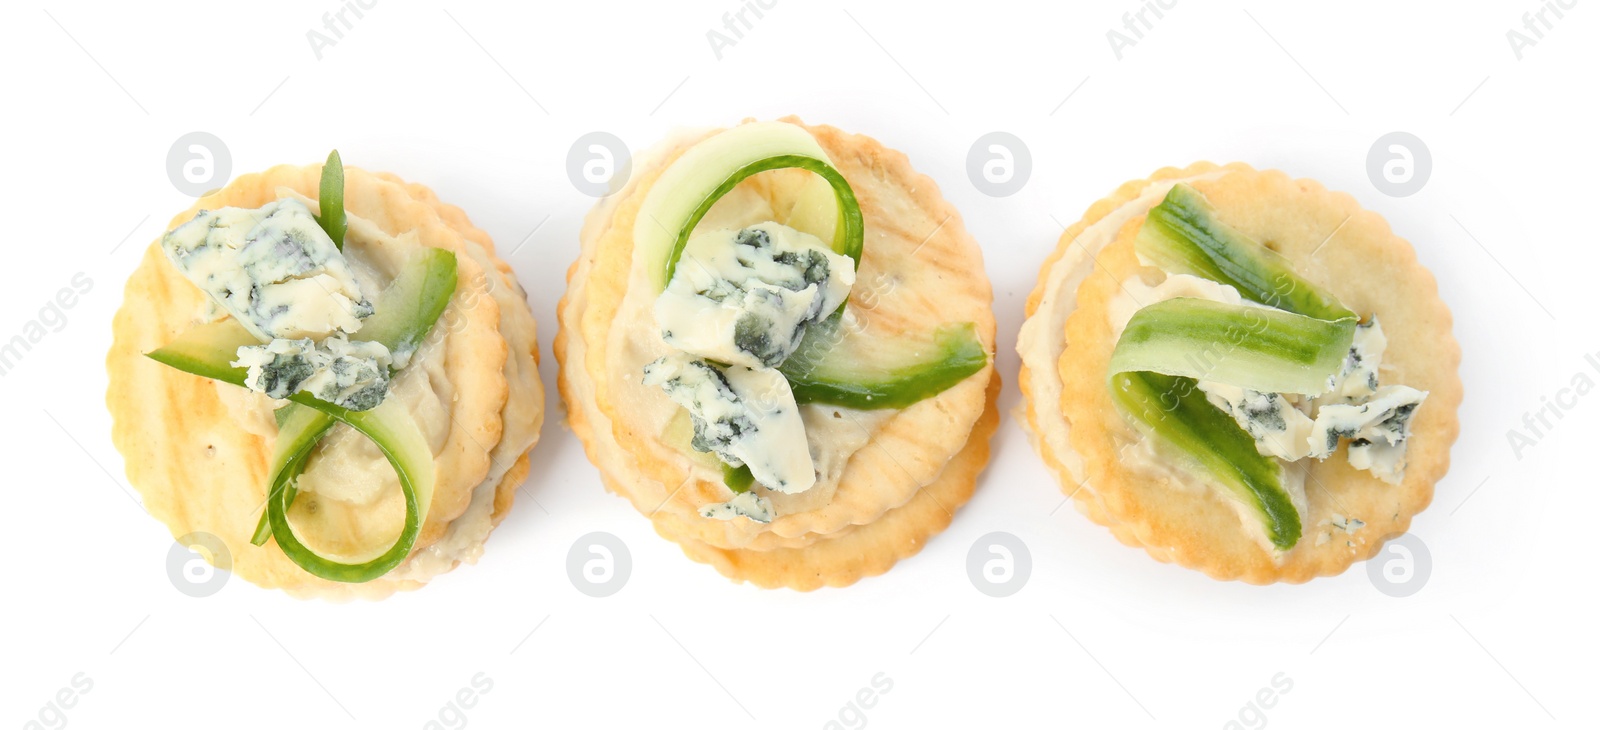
(910, 470)
(1066, 346)
(198, 451)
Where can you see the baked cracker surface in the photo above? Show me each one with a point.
(1353, 254)
(913, 236)
(199, 471)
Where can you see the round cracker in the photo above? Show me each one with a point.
(931, 274)
(914, 238)
(1350, 252)
(199, 471)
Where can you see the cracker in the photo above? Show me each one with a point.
(1355, 256)
(195, 465)
(943, 282)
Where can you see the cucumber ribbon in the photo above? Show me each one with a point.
(330, 199)
(403, 315)
(1289, 339)
(909, 372)
(694, 182)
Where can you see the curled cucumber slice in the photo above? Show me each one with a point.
(299, 428)
(403, 315)
(700, 177)
(391, 427)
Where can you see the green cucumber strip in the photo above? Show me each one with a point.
(693, 183)
(391, 427)
(849, 230)
(1262, 349)
(738, 478)
(844, 371)
(419, 294)
(680, 431)
(298, 428)
(208, 351)
(403, 315)
(264, 525)
(1175, 414)
(1182, 235)
(330, 199)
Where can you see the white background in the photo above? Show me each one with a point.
(481, 101)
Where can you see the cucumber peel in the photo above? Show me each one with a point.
(391, 427)
(1262, 349)
(330, 199)
(403, 315)
(699, 178)
(1182, 235)
(1175, 414)
(879, 374)
(299, 428)
(738, 478)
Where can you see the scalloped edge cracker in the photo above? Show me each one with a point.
(907, 454)
(199, 470)
(1333, 242)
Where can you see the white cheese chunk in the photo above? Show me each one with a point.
(745, 296)
(1376, 419)
(743, 504)
(1385, 461)
(1278, 427)
(353, 375)
(273, 268)
(1358, 375)
(746, 417)
(1384, 418)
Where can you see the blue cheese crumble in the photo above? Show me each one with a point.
(1348, 524)
(1278, 426)
(1376, 427)
(353, 375)
(1358, 374)
(745, 297)
(272, 268)
(746, 417)
(743, 504)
